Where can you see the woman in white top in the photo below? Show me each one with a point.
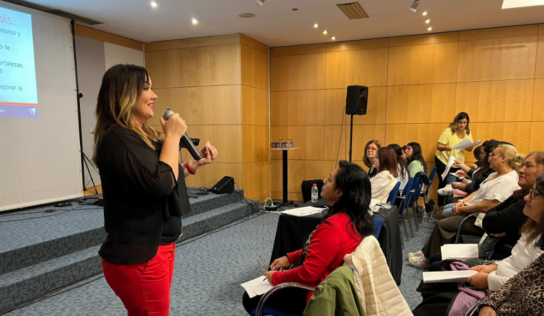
(526, 250)
(402, 167)
(505, 160)
(385, 162)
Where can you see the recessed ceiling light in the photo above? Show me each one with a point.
(333, 38)
(153, 4)
(428, 21)
(430, 28)
(424, 13)
(316, 26)
(246, 15)
(194, 21)
(325, 32)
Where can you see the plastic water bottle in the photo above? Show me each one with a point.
(315, 193)
(291, 143)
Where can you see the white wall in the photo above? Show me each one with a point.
(116, 54)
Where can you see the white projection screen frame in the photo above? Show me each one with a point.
(40, 157)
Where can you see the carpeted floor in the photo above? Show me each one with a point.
(208, 273)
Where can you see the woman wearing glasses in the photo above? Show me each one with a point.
(371, 148)
(451, 136)
(495, 276)
(343, 228)
(522, 294)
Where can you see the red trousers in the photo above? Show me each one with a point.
(144, 288)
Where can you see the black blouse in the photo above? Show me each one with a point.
(143, 204)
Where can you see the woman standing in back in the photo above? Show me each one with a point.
(457, 131)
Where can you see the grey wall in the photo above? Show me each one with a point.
(91, 66)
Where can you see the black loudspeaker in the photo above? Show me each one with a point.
(224, 186)
(356, 100)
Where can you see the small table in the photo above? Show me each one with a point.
(284, 160)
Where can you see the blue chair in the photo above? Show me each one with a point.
(425, 195)
(404, 197)
(414, 196)
(393, 194)
(378, 222)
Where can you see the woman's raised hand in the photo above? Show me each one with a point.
(282, 262)
(174, 127)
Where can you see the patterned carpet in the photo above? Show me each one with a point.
(208, 273)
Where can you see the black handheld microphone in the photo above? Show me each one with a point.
(185, 139)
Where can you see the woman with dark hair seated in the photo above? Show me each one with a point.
(343, 228)
(402, 167)
(386, 179)
(414, 158)
(522, 294)
(497, 276)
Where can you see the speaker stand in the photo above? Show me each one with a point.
(351, 137)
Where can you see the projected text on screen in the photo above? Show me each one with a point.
(18, 90)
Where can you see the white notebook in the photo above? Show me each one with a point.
(303, 211)
(257, 286)
(459, 251)
(447, 276)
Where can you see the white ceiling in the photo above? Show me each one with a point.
(275, 24)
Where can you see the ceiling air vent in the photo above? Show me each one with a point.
(353, 10)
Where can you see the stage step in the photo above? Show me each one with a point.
(32, 282)
(71, 231)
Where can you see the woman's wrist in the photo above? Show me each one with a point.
(194, 164)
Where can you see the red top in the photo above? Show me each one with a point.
(331, 241)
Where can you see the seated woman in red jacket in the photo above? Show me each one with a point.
(341, 231)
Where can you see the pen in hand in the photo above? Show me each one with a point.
(275, 269)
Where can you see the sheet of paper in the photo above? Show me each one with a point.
(257, 286)
(303, 211)
(448, 166)
(460, 251)
(447, 276)
(466, 143)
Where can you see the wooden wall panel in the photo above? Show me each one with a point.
(193, 42)
(334, 145)
(359, 67)
(200, 105)
(257, 180)
(254, 67)
(336, 102)
(255, 143)
(190, 67)
(540, 56)
(496, 101)
(421, 64)
(297, 107)
(425, 134)
(308, 138)
(298, 72)
(537, 141)
(362, 134)
(107, 37)
(499, 32)
(497, 59)
(225, 138)
(538, 103)
(517, 133)
(255, 108)
(451, 37)
(421, 103)
(358, 45)
(298, 50)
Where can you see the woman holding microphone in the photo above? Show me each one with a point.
(144, 190)
(451, 136)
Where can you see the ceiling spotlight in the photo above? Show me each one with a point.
(333, 38)
(430, 28)
(414, 6)
(195, 22)
(316, 26)
(261, 2)
(153, 4)
(428, 21)
(424, 13)
(325, 32)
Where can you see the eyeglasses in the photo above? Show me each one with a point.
(372, 148)
(534, 194)
(264, 263)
